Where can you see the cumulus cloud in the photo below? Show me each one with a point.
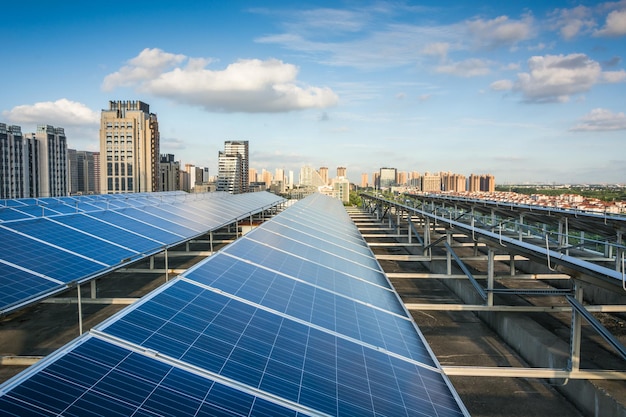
(472, 67)
(501, 85)
(615, 24)
(555, 78)
(500, 31)
(248, 85)
(62, 113)
(601, 120)
(572, 22)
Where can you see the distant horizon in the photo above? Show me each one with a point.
(530, 93)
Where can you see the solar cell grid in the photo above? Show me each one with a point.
(318, 240)
(17, 285)
(237, 343)
(75, 241)
(325, 232)
(109, 232)
(37, 257)
(317, 255)
(99, 378)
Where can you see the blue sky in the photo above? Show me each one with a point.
(531, 91)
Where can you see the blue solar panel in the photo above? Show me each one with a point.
(251, 345)
(270, 326)
(352, 318)
(17, 285)
(110, 232)
(45, 259)
(318, 254)
(78, 238)
(91, 246)
(98, 378)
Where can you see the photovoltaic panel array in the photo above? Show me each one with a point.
(51, 243)
(262, 328)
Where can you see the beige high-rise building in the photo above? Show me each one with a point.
(341, 172)
(323, 171)
(129, 148)
(364, 177)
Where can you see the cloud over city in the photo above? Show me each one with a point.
(247, 85)
(556, 78)
(62, 112)
(601, 120)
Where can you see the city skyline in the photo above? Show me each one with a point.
(527, 94)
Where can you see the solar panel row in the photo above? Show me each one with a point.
(41, 255)
(282, 333)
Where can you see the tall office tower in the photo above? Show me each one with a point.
(376, 179)
(129, 148)
(341, 172)
(13, 163)
(82, 171)
(487, 183)
(387, 177)
(323, 171)
(431, 182)
(169, 170)
(240, 147)
(229, 168)
(364, 180)
(53, 173)
(310, 177)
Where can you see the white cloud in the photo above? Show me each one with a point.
(150, 63)
(555, 78)
(248, 85)
(572, 22)
(60, 113)
(615, 24)
(601, 120)
(500, 31)
(501, 85)
(472, 67)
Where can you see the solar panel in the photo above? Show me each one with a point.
(75, 239)
(240, 334)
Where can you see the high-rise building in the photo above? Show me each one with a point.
(387, 177)
(169, 170)
(453, 182)
(82, 171)
(52, 167)
(14, 167)
(487, 183)
(431, 182)
(401, 178)
(229, 168)
(310, 177)
(129, 148)
(323, 171)
(341, 185)
(341, 172)
(240, 147)
(252, 175)
(364, 182)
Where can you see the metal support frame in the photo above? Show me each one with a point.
(576, 307)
